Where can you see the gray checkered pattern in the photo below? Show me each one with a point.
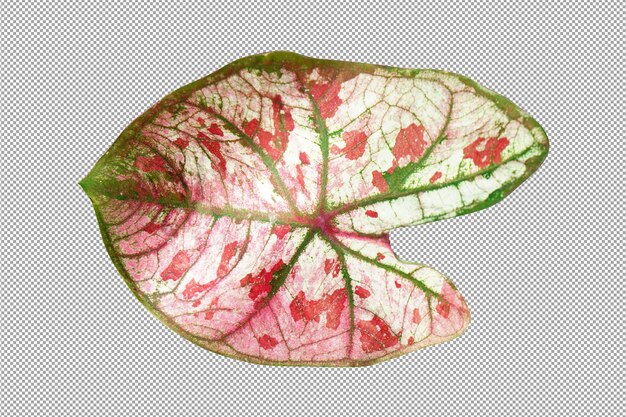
(543, 272)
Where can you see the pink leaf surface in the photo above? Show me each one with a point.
(250, 210)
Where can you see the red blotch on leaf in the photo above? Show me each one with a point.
(228, 253)
(181, 143)
(443, 308)
(327, 97)
(200, 120)
(208, 315)
(435, 177)
(267, 142)
(332, 265)
(375, 335)
(283, 120)
(410, 142)
(151, 227)
(485, 151)
(267, 342)
(215, 129)
(276, 143)
(304, 159)
(193, 288)
(250, 127)
(215, 149)
(411, 340)
(355, 145)
(150, 164)
(379, 181)
(416, 316)
(177, 267)
(361, 292)
(280, 230)
(398, 285)
(371, 213)
(258, 290)
(311, 310)
(328, 265)
(380, 256)
(300, 176)
(318, 90)
(261, 282)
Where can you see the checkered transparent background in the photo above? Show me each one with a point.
(543, 272)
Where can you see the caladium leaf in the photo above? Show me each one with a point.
(249, 211)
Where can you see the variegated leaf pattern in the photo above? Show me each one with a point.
(250, 210)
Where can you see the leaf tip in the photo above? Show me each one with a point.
(89, 185)
(85, 184)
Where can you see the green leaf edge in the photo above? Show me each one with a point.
(281, 59)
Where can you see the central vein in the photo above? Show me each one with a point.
(322, 130)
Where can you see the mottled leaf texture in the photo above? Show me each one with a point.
(250, 210)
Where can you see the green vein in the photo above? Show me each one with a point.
(348, 280)
(403, 193)
(340, 247)
(281, 276)
(322, 130)
(276, 218)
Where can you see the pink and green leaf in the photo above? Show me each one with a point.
(250, 210)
